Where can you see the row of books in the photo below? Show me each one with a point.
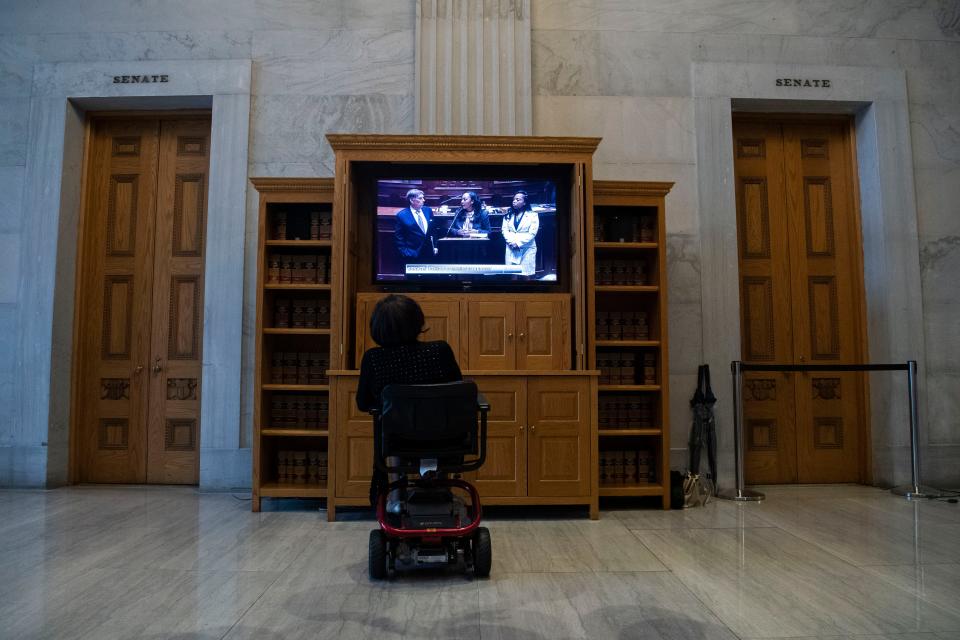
(622, 325)
(630, 467)
(627, 367)
(625, 272)
(624, 229)
(627, 411)
(287, 367)
(318, 226)
(299, 412)
(302, 467)
(298, 269)
(307, 313)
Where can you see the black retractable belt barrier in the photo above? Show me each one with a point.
(911, 491)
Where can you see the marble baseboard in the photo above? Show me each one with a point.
(225, 469)
(23, 466)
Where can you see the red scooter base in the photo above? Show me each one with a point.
(432, 530)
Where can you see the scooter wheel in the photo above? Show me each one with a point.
(378, 555)
(482, 553)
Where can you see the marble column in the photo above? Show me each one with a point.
(473, 67)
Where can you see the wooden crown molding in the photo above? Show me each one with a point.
(623, 187)
(359, 142)
(312, 185)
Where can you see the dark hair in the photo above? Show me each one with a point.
(396, 320)
(526, 201)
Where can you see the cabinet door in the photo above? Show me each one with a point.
(558, 443)
(354, 442)
(543, 335)
(441, 322)
(490, 337)
(505, 471)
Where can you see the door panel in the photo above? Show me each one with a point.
(543, 335)
(559, 435)
(490, 335)
(824, 266)
(504, 472)
(354, 445)
(801, 294)
(116, 297)
(176, 363)
(769, 430)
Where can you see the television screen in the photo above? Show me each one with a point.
(470, 231)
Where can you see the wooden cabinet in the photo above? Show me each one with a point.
(528, 334)
(558, 441)
(296, 326)
(501, 332)
(540, 440)
(628, 310)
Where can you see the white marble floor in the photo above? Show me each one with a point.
(140, 562)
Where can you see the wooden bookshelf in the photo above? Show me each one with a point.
(295, 277)
(628, 314)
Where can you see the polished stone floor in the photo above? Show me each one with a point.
(138, 562)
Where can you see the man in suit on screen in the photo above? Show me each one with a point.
(412, 233)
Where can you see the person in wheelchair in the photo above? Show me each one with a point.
(395, 325)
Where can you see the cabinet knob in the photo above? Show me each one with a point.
(521, 335)
(157, 368)
(510, 334)
(138, 369)
(533, 427)
(521, 428)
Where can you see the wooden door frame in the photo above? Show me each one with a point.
(865, 455)
(84, 239)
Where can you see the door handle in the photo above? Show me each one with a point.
(156, 366)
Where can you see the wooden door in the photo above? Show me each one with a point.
(543, 335)
(175, 358)
(558, 442)
(140, 301)
(490, 340)
(115, 301)
(801, 293)
(504, 472)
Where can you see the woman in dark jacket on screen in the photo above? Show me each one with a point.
(396, 323)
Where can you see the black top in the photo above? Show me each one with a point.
(415, 363)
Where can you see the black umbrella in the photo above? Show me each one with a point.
(703, 432)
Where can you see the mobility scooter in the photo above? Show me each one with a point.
(425, 433)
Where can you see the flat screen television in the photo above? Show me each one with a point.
(487, 231)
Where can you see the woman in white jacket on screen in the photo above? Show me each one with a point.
(520, 226)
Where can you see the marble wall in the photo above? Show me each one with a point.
(620, 69)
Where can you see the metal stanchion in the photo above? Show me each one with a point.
(739, 494)
(914, 489)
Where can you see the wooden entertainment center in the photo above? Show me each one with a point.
(576, 375)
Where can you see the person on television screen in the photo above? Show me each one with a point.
(412, 234)
(471, 217)
(520, 226)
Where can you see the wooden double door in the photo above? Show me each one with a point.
(801, 294)
(140, 301)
